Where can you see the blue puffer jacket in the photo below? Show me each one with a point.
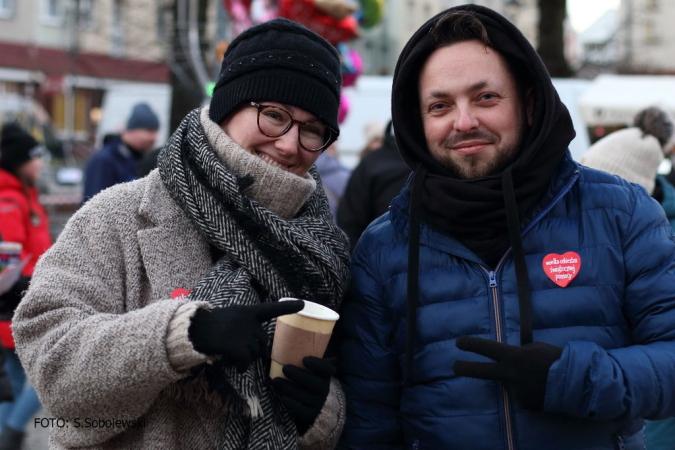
(615, 320)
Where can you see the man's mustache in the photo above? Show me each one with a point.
(458, 138)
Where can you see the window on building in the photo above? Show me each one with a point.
(52, 12)
(85, 14)
(6, 9)
(117, 43)
(164, 20)
(652, 5)
(651, 36)
(71, 112)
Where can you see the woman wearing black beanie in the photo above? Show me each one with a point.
(153, 315)
(24, 221)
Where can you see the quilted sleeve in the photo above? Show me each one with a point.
(369, 366)
(634, 381)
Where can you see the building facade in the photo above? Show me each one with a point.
(381, 45)
(66, 53)
(646, 37)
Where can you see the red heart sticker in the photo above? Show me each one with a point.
(562, 269)
(179, 293)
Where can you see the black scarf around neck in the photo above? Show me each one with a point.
(265, 257)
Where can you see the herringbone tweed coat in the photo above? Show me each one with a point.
(100, 336)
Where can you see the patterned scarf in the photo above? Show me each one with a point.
(266, 258)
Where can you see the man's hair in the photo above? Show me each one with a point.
(462, 26)
(458, 26)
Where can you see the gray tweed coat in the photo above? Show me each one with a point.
(104, 343)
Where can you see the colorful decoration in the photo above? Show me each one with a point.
(371, 12)
(332, 29)
(338, 9)
(352, 64)
(240, 12)
(345, 105)
(246, 13)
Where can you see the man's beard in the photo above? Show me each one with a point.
(472, 167)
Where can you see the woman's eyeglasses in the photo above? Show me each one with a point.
(313, 136)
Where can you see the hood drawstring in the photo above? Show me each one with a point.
(522, 278)
(413, 269)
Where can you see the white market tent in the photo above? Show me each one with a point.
(613, 100)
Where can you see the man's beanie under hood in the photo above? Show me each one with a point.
(279, 61)
(17, 147)
(142, 117)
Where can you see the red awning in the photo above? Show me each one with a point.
(57, 62)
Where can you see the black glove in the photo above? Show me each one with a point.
(306, 392)
(236, 332)
(10, 299)
(524, 370)
(6, 391)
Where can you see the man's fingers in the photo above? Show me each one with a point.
(267, 311)
(486, 347)
(482, 371)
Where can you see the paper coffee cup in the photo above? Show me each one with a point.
(305, 333)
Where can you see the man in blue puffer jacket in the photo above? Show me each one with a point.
(510, 298)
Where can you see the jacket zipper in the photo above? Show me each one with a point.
(492, 277)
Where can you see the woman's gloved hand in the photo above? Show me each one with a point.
(236, 332)
(305, 391)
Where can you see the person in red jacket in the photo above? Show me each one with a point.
(22, 220)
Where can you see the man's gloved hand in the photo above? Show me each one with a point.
(306, 392)
(524, 370)
(236, 332)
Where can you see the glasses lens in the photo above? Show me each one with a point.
(314, 135)
(273, 121)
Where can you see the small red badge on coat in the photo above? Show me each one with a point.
(179, 293)
(562, 269)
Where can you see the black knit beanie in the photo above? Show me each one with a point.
(17, 147)
(279, 61)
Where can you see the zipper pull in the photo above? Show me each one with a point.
(620, 444)
(493, 279)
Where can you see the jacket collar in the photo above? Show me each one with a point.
(168, 240)
(9, 181)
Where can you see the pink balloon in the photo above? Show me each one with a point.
(348, 79)
(345, 104)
